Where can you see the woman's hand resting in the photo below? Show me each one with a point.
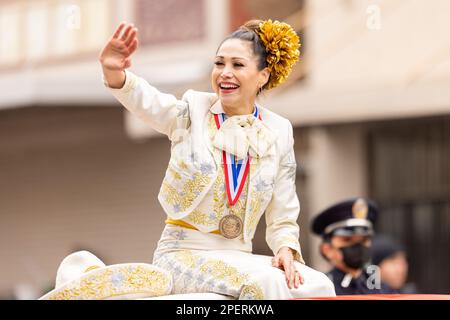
(284, 260)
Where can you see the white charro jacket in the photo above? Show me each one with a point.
(194, 162)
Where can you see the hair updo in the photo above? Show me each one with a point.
(275, 44)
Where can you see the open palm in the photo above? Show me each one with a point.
(116, 55)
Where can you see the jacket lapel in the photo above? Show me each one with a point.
(209, 130)
(260, 188)
(261, 182)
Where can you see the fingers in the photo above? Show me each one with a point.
(127, 43)
(297, 278)
(133, 47)
(131, 36)
(127, 32)
(285, 265)
(119, 30)
(291, 274)
(300, 277)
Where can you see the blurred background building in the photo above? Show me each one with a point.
(369, 100)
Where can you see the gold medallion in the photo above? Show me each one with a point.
(230, 226)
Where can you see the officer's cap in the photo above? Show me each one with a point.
(347, 218)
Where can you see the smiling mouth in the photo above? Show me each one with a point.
(227, 87)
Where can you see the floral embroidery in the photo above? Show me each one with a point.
(292, 173)
(175, 174)
(219, 194)
(206, 168)
(261, 185)
(192, 273)
(255, 207)
(186, 257)
(182, 199)
(180, 235)
(223, 271)
(212, 128)
(182, 165)
(197, 217)
(114, 282)
(251, 292)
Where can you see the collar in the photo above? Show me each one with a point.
(217, 108)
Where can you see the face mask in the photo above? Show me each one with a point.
(356, 256)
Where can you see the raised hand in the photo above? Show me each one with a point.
(116, 55)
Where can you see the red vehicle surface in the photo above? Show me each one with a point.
(388, 297)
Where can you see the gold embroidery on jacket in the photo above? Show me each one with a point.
(255, 207)
(197, 217)
(182, 199)
(175, 174)
(218, 200)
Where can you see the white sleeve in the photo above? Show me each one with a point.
(284, 207)
(163, 112)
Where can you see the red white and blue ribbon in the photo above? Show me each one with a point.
(235, 171)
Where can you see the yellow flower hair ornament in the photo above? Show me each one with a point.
(282, 46)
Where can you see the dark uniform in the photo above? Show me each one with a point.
(345, 284)
(349, 218)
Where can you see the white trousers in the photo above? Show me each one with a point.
(208, 263)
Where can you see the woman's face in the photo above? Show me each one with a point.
(235, 77)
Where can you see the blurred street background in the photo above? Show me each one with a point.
(369, 101)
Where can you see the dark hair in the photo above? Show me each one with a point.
(325, 240)
(247, 32)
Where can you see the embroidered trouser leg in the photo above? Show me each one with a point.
(235, 273)
(240, 275)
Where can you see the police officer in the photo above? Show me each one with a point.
(346, 229)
